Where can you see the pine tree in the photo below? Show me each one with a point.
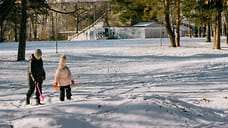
(133, 11)
(6, 6)
(206, 11)
(146, 10)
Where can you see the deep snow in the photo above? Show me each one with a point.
(124, 83)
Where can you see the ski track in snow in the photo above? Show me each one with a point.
(124, 83)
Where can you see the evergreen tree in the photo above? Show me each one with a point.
(206, 11)
(191, 11)
(6, 6)
(146, 10)
(133, 11)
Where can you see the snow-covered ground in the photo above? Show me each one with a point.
(124, 84)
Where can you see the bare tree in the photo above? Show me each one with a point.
(208, 32)
(170, 32)
(217, 25)
(22, 39)
(178, 23)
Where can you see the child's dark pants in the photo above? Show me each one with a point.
(62, 92)
(31, 89)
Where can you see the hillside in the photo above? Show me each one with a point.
(124, 83)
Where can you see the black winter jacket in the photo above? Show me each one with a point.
(35, 70)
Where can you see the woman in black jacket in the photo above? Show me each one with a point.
(36, 74)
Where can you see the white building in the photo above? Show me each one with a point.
(141, 30)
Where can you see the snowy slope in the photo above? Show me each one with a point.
(124, 83)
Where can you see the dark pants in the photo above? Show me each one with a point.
(32, 87)
(62, 92)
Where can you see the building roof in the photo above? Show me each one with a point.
(146, 24)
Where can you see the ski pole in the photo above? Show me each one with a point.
(41, 96)
(57, 87)
(75, 84)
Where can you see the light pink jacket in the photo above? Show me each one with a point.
(63, 76)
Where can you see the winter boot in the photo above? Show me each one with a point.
(38, 101)
(27, 100)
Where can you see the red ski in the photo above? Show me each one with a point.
(57, 87)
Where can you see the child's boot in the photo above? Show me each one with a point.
(27, 100)
(38, 101)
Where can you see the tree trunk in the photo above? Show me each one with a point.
(226, 32)
(199, 32)
(30, 30)
(77, 23)
(52, 26)
(168, 26)
(15, 25)
(22, 40)
(226, 29)
(35, 31)
(94, 12)
(178, 24)
(217, 31)
(2, 33)
(204, 30)
(106, 14)
(196, 32)
(189, 30)
(208, 32)
(77, 15)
